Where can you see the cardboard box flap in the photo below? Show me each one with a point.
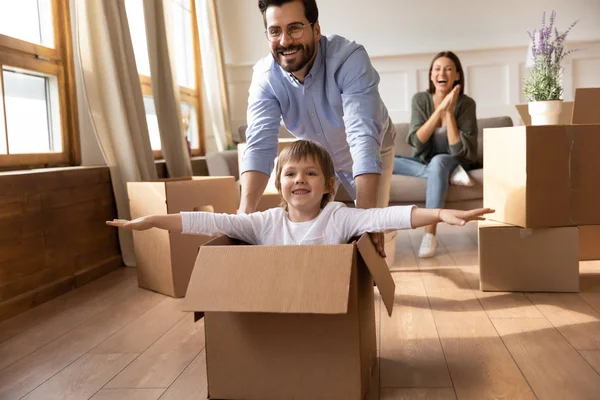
(271, 279)
(379, 271)
(587, 106)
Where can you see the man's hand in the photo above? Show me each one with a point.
(378, 239)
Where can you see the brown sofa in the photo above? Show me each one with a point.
(404, 189)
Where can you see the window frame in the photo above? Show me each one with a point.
(186, 94)
(58, 62)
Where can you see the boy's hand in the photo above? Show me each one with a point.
(378, 240)
(139, 224)
(459, 217)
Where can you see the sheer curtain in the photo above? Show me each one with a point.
(213, 72)
(165, 89)
(113, 98)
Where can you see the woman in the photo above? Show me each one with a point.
(443, 134)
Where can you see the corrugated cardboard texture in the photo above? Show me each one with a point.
(512, 258)
(285, 356)
(589, 242)
(366, 317)
(587, 106)
(379, 271)
(543, 176)
(277, 279)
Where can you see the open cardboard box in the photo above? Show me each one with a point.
(289, 322)
(164, 260)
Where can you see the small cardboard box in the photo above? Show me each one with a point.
(165, 259)
(289, 322)
(543, 176)
(515, 259)
(589, 242)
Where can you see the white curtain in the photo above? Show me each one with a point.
(213, 72)
(112, 92)
(165, 88)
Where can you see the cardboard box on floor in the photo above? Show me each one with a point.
(518, 259)
(589, 242)
(165, 259)
(289, 322)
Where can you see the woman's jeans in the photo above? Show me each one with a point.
(437, 173)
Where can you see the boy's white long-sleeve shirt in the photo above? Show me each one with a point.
(336, 224)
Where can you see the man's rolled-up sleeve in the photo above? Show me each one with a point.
(364, 117)
(264, 118)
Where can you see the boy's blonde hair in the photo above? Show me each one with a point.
(301, 150)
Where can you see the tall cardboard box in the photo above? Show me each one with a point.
(518, 259)
(543, 176)
(165, 259)
(289, 322)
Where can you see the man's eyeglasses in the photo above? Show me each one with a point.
(295, 31)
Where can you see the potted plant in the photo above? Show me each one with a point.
(543, 86)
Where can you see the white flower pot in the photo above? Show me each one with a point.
(545, 112)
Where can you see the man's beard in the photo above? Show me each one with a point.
(306, 52)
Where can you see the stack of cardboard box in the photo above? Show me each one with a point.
(544, 183)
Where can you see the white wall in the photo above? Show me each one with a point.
(489, 37)
(402, 27)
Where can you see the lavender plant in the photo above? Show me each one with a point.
(544, 79)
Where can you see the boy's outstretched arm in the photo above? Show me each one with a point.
(427, 216)
(170, 222)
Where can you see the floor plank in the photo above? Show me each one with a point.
(411, 353)
(549, 363)
(144, 331)
(418, 394)
(161, 364)
(593, 358)
(507, 305)
(191, 384)
(83, 378)
(41, 334)
(480, 365)
(572, 316)
(129, 394)
(48, 310)
(29, 372)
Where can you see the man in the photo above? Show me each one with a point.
(326, 90)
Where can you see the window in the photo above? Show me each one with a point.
(37, 101)
(187, 67)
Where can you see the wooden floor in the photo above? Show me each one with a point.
(445, 340)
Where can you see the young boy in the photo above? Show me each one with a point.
(305, 179)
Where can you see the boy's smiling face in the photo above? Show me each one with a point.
(302, 187)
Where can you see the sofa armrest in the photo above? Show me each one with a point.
(223, 163)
